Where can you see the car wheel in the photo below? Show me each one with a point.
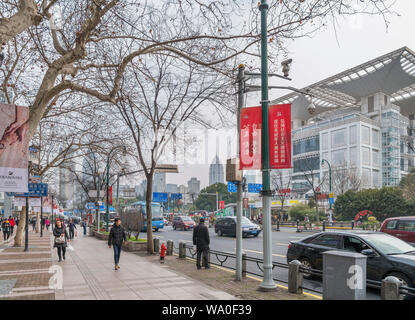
(406, 282)
(306, 263)
(256, 235)
(220, 233)
(156, 230)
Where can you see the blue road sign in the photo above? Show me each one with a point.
(331, 200)
(232, 187)
(35, 190)
(254, 187)
(90, 205)
(159, 197)
(176, 196)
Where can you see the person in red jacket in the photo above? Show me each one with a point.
(12, 224)
(163, 250)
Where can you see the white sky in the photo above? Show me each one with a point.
(359, 39)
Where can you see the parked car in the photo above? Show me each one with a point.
(183, 222)
(386, 255)
(227, 226)
(400, 227)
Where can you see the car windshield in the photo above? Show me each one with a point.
(186, 219)
(389, 245)
(246, 220)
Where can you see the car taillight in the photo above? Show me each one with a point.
(289, 246)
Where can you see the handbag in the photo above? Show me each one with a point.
(60, 239)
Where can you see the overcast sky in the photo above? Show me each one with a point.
(358, 40)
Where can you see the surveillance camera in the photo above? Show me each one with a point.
(311, 108)
(286, 67)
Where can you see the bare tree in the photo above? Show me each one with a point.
(154, 110)
(281, 186)
(345, 178)
(310, 168)
(102, 37)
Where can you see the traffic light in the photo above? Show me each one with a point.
(244, 185)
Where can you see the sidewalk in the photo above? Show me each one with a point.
(25, 275)
(88, 274)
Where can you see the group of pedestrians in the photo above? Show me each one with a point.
(7, 226)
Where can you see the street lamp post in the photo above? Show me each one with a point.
(108, 185)
(267, 282)
(330, 185)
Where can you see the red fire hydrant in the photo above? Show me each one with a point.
(163, 250)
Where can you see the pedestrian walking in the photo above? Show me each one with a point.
(72, 227)
(116, 238)
(42, 223)
(12, 224)
(201, 241)
(47, 223)
(83, 224)
(34, 223)
(61, 239)
(6, 229)
(163, 250)
(17, 221)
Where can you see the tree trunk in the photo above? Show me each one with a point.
(149, 196)
(18, 239)
(317, 213)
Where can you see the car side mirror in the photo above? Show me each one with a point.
(368, 252)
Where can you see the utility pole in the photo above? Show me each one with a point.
(267, 282)
(239, 244)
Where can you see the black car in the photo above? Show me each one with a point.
(386, 255)
(227, 226)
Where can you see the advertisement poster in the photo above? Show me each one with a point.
(250, 138)
(14, 148)
(34, 202)
(19, 201)
(280, 136)
(47, 204)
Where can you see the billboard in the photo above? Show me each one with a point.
(279, 121)
(14, 148)
(280, 136)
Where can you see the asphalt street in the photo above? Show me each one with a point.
(252, 246)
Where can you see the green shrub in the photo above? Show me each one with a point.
(300, 211)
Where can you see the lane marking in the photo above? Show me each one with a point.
(274, 254)
(282, 244)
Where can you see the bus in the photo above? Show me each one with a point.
(157, 213)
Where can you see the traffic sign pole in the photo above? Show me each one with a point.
(26, 240)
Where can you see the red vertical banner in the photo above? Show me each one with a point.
(250, 138)
(110, 195)
(280, 136)
(222, 204)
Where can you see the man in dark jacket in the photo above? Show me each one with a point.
(116, 237)
(201, 241)
(72, 227)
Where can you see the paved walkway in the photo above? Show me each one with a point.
(88, 274)
(26, 275)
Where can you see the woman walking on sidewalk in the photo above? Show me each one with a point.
(116, 237)
(6, 229)
(61, 239)
(47, 222)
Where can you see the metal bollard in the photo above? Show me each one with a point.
(295, 277)
(243, 265)
(182, 250)
(352, 225)
(156, 244)
(278, 225)
(324, 226)
(169, 248)
(298, 227)
(390, 289)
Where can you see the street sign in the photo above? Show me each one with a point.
(35, 190)
(331, 200)
(90, 205)
(232, 187)
(159, 197)
(176, 196)
(254, 187)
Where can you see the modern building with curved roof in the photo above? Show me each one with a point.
(363, 125)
